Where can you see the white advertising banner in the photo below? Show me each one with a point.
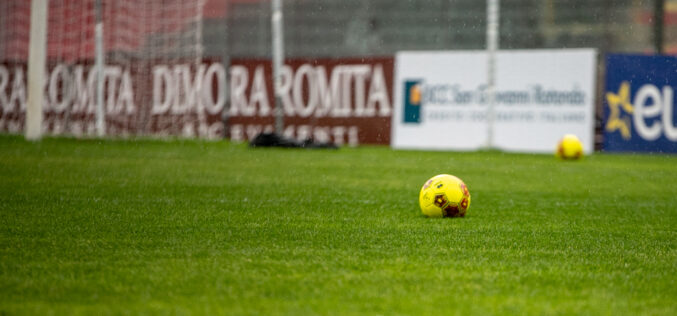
(540, 95)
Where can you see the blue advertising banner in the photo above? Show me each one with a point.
(639, 114)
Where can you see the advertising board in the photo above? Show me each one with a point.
(639, 112)
(441, 99)
(345, 101)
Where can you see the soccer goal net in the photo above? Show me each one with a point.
(153, 70)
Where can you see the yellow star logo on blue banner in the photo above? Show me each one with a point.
(618, 101)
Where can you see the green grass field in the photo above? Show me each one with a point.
(108, 227)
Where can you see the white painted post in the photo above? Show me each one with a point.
(37, 58)
(278, 60)
(99, 62)
(492, 47)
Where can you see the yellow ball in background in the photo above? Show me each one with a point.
(444, 196)
(569, 148)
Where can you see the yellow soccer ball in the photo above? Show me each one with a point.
(569, 148)
(444, 196)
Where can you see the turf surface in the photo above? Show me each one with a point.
(96, 227)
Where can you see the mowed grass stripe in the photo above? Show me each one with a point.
(90, 226)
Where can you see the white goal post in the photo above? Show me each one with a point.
(37, 56)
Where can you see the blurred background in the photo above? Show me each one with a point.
(382, 27)
(335, 28)
(141, 34)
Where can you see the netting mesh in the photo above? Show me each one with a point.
(138, 37)
(152, 29)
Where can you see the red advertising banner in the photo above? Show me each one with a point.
(140, 98)
(343, 101)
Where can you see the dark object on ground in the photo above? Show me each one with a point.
(274, 140)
